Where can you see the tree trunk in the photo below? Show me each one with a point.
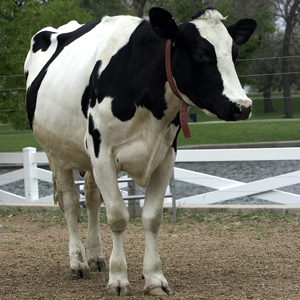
(290, 19)
(139, 7)
(267, 95)
(287, 96)
(286, 77)
(268, 102)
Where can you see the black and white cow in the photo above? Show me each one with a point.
(98, 100)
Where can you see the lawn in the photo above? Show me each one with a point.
(221, 133)
(258, 108)
(243, 132)
(15, 140)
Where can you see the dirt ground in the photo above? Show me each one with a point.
(212, 256)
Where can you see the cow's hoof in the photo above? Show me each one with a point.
(97, 264)
(118, 291)
(80, 274)
(155, 290)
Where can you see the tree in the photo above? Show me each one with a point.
(139, 7)
(101, 8)
(19, 22)
(183, 10)
(266, 63)
(288, 12)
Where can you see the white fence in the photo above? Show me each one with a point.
(226, 189)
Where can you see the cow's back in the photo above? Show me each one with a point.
(58, 69)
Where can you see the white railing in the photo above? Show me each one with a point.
(30, 173)
(226, 189)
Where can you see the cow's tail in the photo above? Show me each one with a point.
(57, 192)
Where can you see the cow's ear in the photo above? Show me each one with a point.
(242, 30)
(163, 23)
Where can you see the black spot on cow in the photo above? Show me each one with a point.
(85, 100)
(131, 78)
(42, 41)
(95, 133)
(176, 122)
(26, 75)
(63, 40)
(31, 96)
(89, 96)
(94, 83)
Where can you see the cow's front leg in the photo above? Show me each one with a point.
(155, 282)
(117, 216)
(93, 201)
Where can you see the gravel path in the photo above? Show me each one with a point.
(212, 256)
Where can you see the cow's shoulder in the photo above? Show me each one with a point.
(134, 76)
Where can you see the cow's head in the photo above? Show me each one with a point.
(203, 56)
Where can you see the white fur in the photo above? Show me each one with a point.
(212, 29)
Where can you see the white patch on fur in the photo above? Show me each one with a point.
(211, 28)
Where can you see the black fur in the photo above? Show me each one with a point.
(201, 12)
(42, 41)
(95, 133)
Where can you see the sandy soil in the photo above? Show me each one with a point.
(216, 256)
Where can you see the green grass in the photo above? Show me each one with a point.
(258, 108)
(15, 140)
(222, 133)
(248, 132)
(228, 133)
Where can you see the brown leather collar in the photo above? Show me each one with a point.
(184, 106)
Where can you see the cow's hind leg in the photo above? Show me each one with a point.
(66, 196)
(93, 201)
(155, 282)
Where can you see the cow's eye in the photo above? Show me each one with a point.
(202, 57)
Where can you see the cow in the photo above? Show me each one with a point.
(98, 100)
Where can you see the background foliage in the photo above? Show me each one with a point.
(19, 21)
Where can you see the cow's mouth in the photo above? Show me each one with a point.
(236, 112)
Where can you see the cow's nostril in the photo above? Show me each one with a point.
(242, 112)
(237, 108)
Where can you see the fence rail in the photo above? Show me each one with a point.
(225, 189)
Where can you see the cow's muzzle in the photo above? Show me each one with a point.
(241, 112)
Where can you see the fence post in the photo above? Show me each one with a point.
(134, 207)
(76, 178)
(30, 181)
(172, 190)
(77, 187)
